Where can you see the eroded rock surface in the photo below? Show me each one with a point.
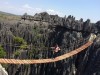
(3, 71)
(43, 31)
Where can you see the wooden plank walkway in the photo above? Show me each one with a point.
(39, 61)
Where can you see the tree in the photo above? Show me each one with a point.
(17, 53)
(2, 52)
(20, 41)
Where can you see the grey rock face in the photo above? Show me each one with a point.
(43, 31)
(3, 71)
(90, 60)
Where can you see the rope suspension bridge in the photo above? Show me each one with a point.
(49, 60)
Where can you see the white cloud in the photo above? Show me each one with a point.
(50, 10)
(26, 8)
(53, 12)
(39, 9)
(30, 10)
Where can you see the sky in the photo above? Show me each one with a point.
(86, 9)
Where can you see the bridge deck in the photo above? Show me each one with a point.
(49, 60)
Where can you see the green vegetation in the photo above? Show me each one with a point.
(16, 53)
(5, 66)
(37, 34)
(35, 50)
(2, 52)
(24, 46)
(19, 40)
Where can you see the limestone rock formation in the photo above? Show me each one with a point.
(36, 34)
(3, 71)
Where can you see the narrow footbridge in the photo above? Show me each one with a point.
(49, 60)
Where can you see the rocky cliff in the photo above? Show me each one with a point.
(3, 71)
(30, 37)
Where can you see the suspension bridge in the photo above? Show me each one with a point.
(49, 60)
(38, 61)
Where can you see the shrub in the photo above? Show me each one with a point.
(2, 52)
(24, 46)
(16, 53)
(19, 40)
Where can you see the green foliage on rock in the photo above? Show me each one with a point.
(2, 52)
(19, 40)
(24, 46)
(17, 53)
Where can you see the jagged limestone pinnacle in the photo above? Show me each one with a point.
(92, 37)
(3, 71)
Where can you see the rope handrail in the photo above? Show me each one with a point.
(49, 60)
